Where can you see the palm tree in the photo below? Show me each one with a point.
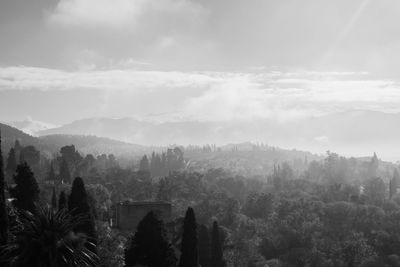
(46, 239)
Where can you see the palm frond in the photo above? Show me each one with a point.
(46, 238)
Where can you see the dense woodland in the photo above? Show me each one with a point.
(57, 210)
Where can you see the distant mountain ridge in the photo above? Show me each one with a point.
(356, 132)
(31, 126)
(52, 143)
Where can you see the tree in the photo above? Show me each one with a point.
(216, 248)
(144, 164)
(3, 208)
(78, 206)
(46, 239)
(11, 163)
(393, 184)
(31, 155)
(54, 199)
(71, 156)
(26, 191)
(51, 176)
(149, 245)
(375, 190)
(189, 256)
(204, 246)
(62, 201)
(373, 166)
(65, 175)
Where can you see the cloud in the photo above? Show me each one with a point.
(121, 14)
(216, 95)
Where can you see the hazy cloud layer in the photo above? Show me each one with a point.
(203, 35)
(211, 95)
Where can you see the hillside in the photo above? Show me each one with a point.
(351, 133)
(10, 134)
(94, 145)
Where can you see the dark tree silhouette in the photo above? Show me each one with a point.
(11, 163)
(3, 208)
(46, 239)
(54, 199)
(189, 256)
(78, 206)
(51, 176)
(394, 183)
(62, 201)
(149, 246)
(204, 246)
(144, 164)
(65, 175)
(26, 191)
(216, 248)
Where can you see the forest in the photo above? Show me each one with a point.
(322, 211)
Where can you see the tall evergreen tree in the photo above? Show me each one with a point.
(394, 183)
(204, 246)
(3, 207)
(11, 166)
(144, 164)
(54, 200)
(62, 201)
(149, 246)
(78, 206)
(189, 256)
(216, 248)
(65, 175)
(26, 191)
(51, 176)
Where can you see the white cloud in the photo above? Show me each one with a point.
(94, 13)
(121, 14)
(219, 95)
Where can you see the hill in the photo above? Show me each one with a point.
(94, 145)
(351, 133)
(10, 134)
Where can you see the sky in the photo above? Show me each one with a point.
(221, 60)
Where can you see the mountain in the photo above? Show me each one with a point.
(9, 134)
(351, 133)
(119, 129)
(51, 144)
(95, 145)
(30, 126)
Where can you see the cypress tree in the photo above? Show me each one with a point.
(51, 176)
(144, 164)
(78, 205)
(3, 208)
(26, 191)
(393, 184)
(54, 200)
(62, 201)
(189, 256)
(65, 175)
(11, 163)
(149, 246)
(216, 248)
(204, 246)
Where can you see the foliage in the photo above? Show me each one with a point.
(78, 206)
(204, 246)
(216, 247)
(3, 210)
(110, 246)
(149, 245)
(46, 239)
(26, 191)
(189, 254)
